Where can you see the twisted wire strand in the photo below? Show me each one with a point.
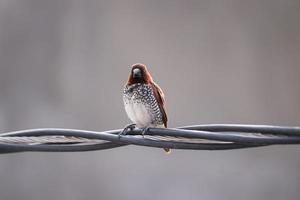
(197, 137)
(46, 140)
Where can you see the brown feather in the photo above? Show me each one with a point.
(160, 98)
(158, 93)
(146, 75)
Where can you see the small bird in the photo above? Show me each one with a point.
(144, 101)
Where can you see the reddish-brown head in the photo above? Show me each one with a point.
(139, 74)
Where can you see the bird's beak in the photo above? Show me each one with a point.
(136, 73)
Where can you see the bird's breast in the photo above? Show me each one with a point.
(140, 104)
(138, 113)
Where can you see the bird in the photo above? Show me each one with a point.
(144, 101)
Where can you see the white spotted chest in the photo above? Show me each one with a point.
(141, 106)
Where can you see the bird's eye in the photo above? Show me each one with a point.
(137, 73)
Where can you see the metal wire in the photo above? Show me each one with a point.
(198, 137)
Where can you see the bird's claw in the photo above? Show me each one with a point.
(145, 130)
(127, 128)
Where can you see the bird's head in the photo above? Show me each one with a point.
(139, 74)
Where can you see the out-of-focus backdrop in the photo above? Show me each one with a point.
(63, 64)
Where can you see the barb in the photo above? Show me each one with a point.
(198, 137)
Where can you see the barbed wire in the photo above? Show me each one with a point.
(197, 137)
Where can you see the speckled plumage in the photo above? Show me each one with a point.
(144, 101)
(141, 105)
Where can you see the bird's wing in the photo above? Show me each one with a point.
(160, 98)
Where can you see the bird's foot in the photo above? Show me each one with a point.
(127, 128)
(144, 130)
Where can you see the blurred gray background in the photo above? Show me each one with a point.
(63, 64)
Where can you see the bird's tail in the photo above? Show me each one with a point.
(167, 150)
